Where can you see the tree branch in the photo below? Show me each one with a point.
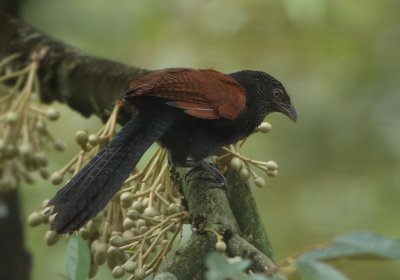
(210, 209)
(15, 261)
(244, 209)
(87, 84)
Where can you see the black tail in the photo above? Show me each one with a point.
(88, 192)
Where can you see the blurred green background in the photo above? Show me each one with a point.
(339, 60)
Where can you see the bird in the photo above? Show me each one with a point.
(190, 112)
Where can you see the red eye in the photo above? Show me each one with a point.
(277, 92)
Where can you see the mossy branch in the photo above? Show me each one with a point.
(87, 84)
(210, 208)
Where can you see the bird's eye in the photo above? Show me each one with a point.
(277, 92)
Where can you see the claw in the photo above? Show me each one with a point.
(210, 173)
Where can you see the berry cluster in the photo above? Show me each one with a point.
(23, 133)
(244, 164)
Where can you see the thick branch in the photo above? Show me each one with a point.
(210, 209)
(245, 210)
(15, 261)
(87, 84)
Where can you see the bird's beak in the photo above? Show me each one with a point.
(289, 111)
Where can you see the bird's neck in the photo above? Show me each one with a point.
(256, 103)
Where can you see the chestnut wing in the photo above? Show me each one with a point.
(206, 94)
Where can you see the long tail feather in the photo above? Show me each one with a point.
(89, 191)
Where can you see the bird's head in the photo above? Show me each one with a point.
(280, 101)
(267, 92)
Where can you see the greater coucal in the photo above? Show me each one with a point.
(189, 112)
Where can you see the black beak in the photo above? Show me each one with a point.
(289, 111)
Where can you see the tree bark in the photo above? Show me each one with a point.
(87, 84)
(15, 261)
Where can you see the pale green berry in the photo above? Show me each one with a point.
(259, 181)
(220, 246)
(130, 266)
(272, 173)
(93, 270)
(149, 212)
(93, 139)
(145, 202)
(244, 173)
(128, 235)
(133, 214)
(84, 233)
(81, 137)
(116, 241)
(236, 163)
(265, 127)
(44, 173)
(92, 227)
(29, 178)
(45, 214)
(118, 272)
(45, 203)
(51, 237)
(173, 208)
(52, 114)
(139, 273)
(271, 165)
(52, 217)
(94, 245)
(113, 252)
(41, 159)
(41, 127)
(143, 229)
(11, 118)
(128, 223)
(100, 259)
(25, 150)
(34, 219)
(140, 222)
(56, 178)
(137, 206)
(126, 199)
(59, 145)
(101, 248)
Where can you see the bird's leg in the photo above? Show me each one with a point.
(209, 171)
(218, 178)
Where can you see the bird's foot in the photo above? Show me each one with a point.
(208, 171)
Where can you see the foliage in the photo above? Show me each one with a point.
(219, 267)
(355, 245)
(78, 258)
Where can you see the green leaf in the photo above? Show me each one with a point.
(262, 277)
(220, 268)
(363, 244)
(78, 258)
(314, 270)
(360, 244)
